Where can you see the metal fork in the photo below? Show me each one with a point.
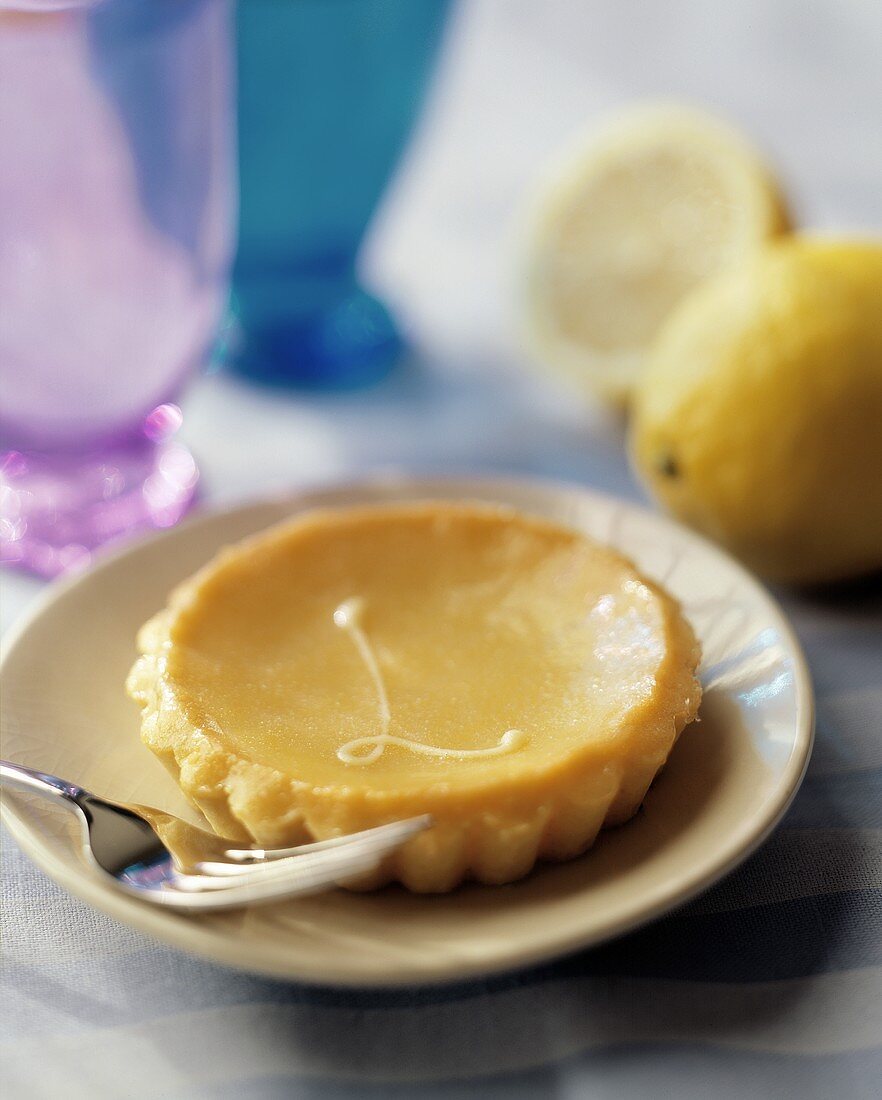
(159, 858)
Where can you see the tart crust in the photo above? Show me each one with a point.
(246, 689)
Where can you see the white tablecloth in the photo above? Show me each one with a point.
(771, 988)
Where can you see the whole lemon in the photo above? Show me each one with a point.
(759, 417)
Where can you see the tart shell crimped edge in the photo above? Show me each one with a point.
(556, 818)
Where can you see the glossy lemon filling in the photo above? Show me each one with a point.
(511, 677)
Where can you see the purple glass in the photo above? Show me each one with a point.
(115, 243)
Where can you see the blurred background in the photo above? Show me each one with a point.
(515, 80)
(387, 152)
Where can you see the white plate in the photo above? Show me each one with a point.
(728, 782)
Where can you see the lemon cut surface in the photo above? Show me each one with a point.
(626, 225)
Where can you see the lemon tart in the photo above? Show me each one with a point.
(512, 678)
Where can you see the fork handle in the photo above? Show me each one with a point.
(20, 778)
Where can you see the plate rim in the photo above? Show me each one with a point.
(184, 933)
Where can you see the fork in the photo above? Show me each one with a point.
(159, 858)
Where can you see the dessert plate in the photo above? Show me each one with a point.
(727, 782)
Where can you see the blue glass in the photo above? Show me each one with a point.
(328, 93)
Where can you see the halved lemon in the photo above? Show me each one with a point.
(625, 225)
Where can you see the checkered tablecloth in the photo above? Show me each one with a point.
(770, 984)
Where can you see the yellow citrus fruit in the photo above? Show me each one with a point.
(626, 225)
(759, 418)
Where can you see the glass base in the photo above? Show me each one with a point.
(56, 510)
(351, 344)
